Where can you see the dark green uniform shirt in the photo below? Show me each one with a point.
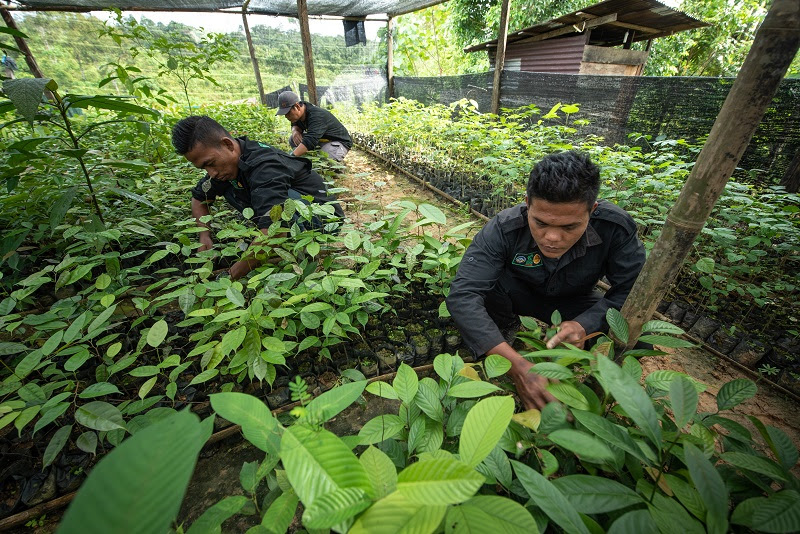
(320, 126)
(609, 247)
(266, 175)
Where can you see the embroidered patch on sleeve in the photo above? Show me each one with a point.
(530, 259)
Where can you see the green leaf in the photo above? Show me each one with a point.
(496, 365)
(158, 461)
(551, 501)
(281, 512)
(705, 265)
(50, 415)
(112, 103)
(635, 522)
(352, 240)
(596, 495)
(380, 428)
(438, 481)
(666, 341)
(99, 415)
(472, 389)
(584, 445)
(483, 427)
(87, 442)
(569, 395)
(235, 296)
(552, 370)
(333, 401)
(661, 327)
(332, 508)
(427, 399)
(382, 389)
(26, 95)
(756, 464)
(683, 398)
(60, 207)
(490, 513)
(783, 448)
(395, 514)
(711, 488)
(429, 211)
(317, 462)
(780, 512)
(132, 196)
(735, 392)
(99, 389)
(632, 397)
(205, 376)
(145, 388)
(213, 517)
(617, 324)
(55, 445)
(406, 383)
(258, 425)
(157, 333)
(381, 471)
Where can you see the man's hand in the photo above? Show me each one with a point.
(569, 332)
(205, 242)
(531, 387)
(297, 136)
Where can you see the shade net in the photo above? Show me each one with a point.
(616, 106)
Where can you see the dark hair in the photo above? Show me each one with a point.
(196, 129)
(565, 177)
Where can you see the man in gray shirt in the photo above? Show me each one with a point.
(544, 255)
(313, 127)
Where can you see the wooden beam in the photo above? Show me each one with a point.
(629, 26)
(308, 56)
(389, 59)
(579, 27)
(22, 45)
(773, 50)
(500, 56)
(253, 59)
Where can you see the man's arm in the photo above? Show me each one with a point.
(531, 387)
(315, 128)
(297, 137)
(249, 261)
(200, 209)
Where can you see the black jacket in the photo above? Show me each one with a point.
(609, 247)
(320, 126)
(265, 176)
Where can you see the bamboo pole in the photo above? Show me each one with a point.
(22, 45)
(773, 49)
(389, 59)
(500, 58)
(305, 34)
(253, 59)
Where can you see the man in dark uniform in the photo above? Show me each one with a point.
(544, 255)
(313, 127)
(246, 173)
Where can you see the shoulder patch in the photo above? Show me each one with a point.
(206, 185)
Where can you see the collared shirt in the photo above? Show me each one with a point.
(609, 247)
(265, 176)
(320, 126)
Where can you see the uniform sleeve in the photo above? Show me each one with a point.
(479, 270)
(207, 190)
(315, 130)
(269, 186)
(624, 262)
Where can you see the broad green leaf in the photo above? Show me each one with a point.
(382, 389)
(101, 319)
(438, 481)
(683, 398)
(50, 415)
(429, 211)
(316, 307)
(157, 333)
(673, 518)
(99, 389)
(158, 461)
(735, 392)
(617, 324)
(529, 418)
(490, 514)
(258, 424)
(7, 348)
(687, 494)
(235, 296)
(87, 442)
(99, 415)
(705, 265)
(661, 327)
(381, 471)
(596, 495)
(205, 376)
(552, 370)
(496, 365)
(406, 383)
(443, 365)
(26, 95)
(145, 388)
(380, 428)
(632, 397)
(780, 512)
(232, 340)
(427, 399)
(756, 464)
(484, 426)
(395, 514)
(352, 240)
(132, 196)
(666, 341)
(635, 522)
(782, 447)
(27, 415)
(317, 462)
(496, 466)
(569, 395)
(281, 512)
(332, 508)
(711, 488)
(28, 363)
(551, 501)
(60, 207)
(333, 401)
(55, 445)
(211, 520)
(472, 389)
(112, 103)
(585, 445)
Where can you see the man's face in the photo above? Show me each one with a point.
(220, 162)
(556, 226)
(296, 113)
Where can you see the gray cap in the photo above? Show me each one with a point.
(286, 100)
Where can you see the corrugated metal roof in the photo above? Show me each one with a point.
(557, 55)
(342, 8)
(609, 22)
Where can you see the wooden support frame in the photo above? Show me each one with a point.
(773, 50)
(389, 59)
(500, 58)
(308, 55)
(256, 70)
(22, 45)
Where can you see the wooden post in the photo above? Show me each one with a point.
(389, 59)
(305, 34)
(253, 58)
(500, 58)
(773, 49)
(22, 45)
